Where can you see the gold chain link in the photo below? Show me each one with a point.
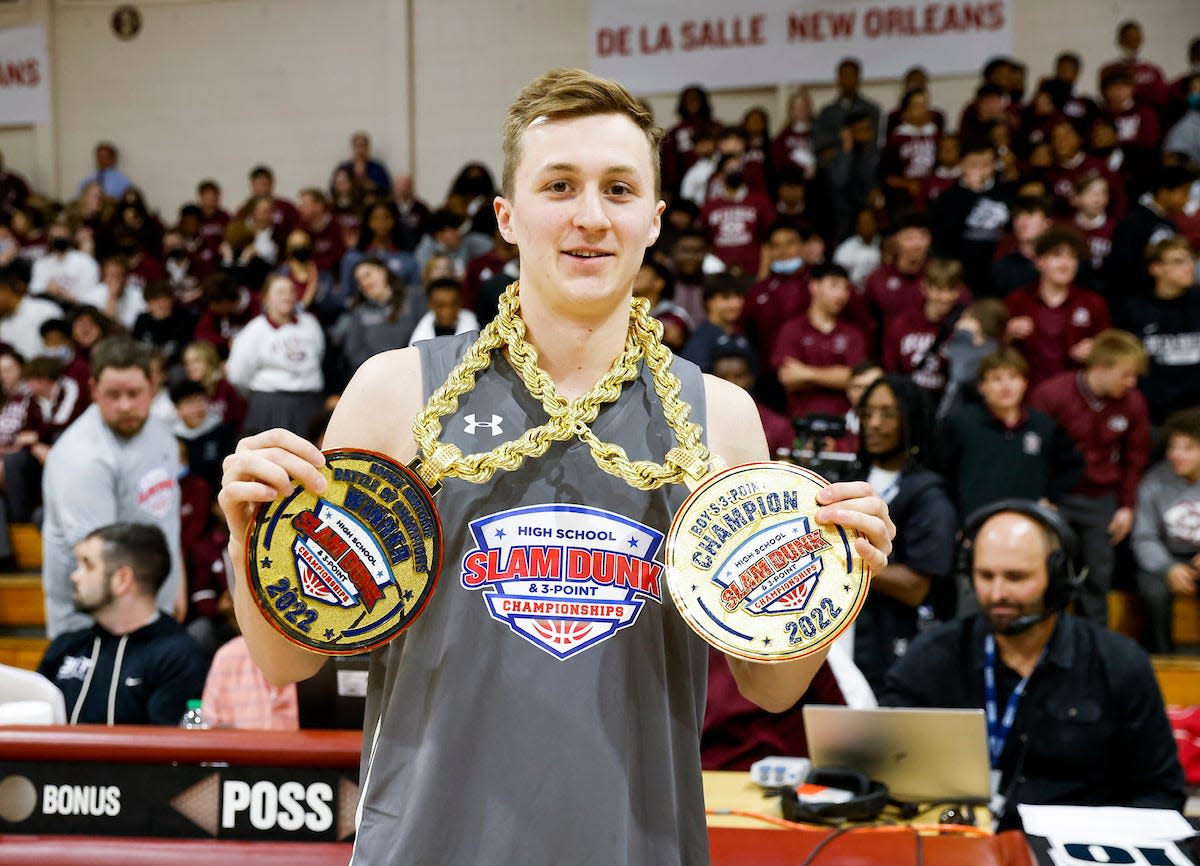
(689, 460)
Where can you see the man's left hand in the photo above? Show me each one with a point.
(1119, 526)
(856, 505)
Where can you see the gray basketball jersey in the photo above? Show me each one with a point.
(546, 707)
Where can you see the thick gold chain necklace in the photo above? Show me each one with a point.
(687, 463)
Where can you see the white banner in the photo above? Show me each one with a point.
(24, 85)
(658, 46)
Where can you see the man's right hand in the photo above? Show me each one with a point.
(261, 470)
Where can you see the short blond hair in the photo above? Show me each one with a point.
(1113, 346)
(567, 93)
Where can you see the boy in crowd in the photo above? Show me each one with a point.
(969, 218)
(997, 449)
(780, 296)
(814, 352)
(1089, 199)
(733, 360)
(1166, 533)
(736, 217)
(913, 341)
(724, 301)
(1149, 221)
(1103, 413)
(1017, 268)
(1168, 323)
(1054, 320)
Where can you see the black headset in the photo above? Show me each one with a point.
(866, 801)
(1064, 580)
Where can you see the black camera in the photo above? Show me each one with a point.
(816, 434)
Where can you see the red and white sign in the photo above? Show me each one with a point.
(655, 46)
(24, 81)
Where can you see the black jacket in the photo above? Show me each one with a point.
(1090, 730)
(1125, 268)
(967, 226)
(1170, 331)
(984, 461)
(160, 670)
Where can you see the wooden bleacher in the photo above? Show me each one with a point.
(22, 615)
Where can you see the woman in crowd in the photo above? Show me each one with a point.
(380, 316)
(202, 363)
(276, 362)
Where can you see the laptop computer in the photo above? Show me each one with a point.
(922, 755)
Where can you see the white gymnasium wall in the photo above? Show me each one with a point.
(212, 86)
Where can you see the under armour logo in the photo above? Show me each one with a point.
(493, 425)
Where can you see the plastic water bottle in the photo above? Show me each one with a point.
(193, 719)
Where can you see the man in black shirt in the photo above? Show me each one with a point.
(1075, 716)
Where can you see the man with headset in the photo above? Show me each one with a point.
(1074, 711)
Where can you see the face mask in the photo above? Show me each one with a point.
(735, 179)
(60, 245)
(787, 266)
(302, 254)
(177, 255)
(60, 353)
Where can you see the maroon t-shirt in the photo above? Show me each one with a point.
(907, 341)
(781, 436)
(1137, 127)
(1056, 329)
(890, 292)
(228, 402)
(480, 269)
(736, 229)
(769, 304)
(1062, 177)
(220, 330)
(212, 228)
(1112, 435)
(911, 151)
(844, 346)
(145, 270)
(737, 733)
(1149, 83)
(1098, 237)
(328, 245)
(789, 140)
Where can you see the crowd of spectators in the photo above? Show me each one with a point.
(960, 310)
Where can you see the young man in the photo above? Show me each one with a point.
(1017, 268)
(733, 360)
(1166, 532)
(1053, 321)
(1147, 222)
(814, 352)
(780, 296)
(580, 202)
(969, 218)
(997, 449)
(735, 218)
(116, 462)
(1145, 76)
(1086, 724)
(724, 301)
(1168, 324)
(21, 316)
(894, 454)
(895, 286)
(1103, 413)
(134, 665)
(914, 340)
(1089, 201)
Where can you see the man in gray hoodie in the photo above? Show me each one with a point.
(115, 463)
(1166, 530)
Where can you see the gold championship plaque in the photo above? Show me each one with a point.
(754, 574)
(347, 571)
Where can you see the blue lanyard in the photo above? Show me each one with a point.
(999, 728)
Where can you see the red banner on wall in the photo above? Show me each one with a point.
(663, 45)
(24, 81)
